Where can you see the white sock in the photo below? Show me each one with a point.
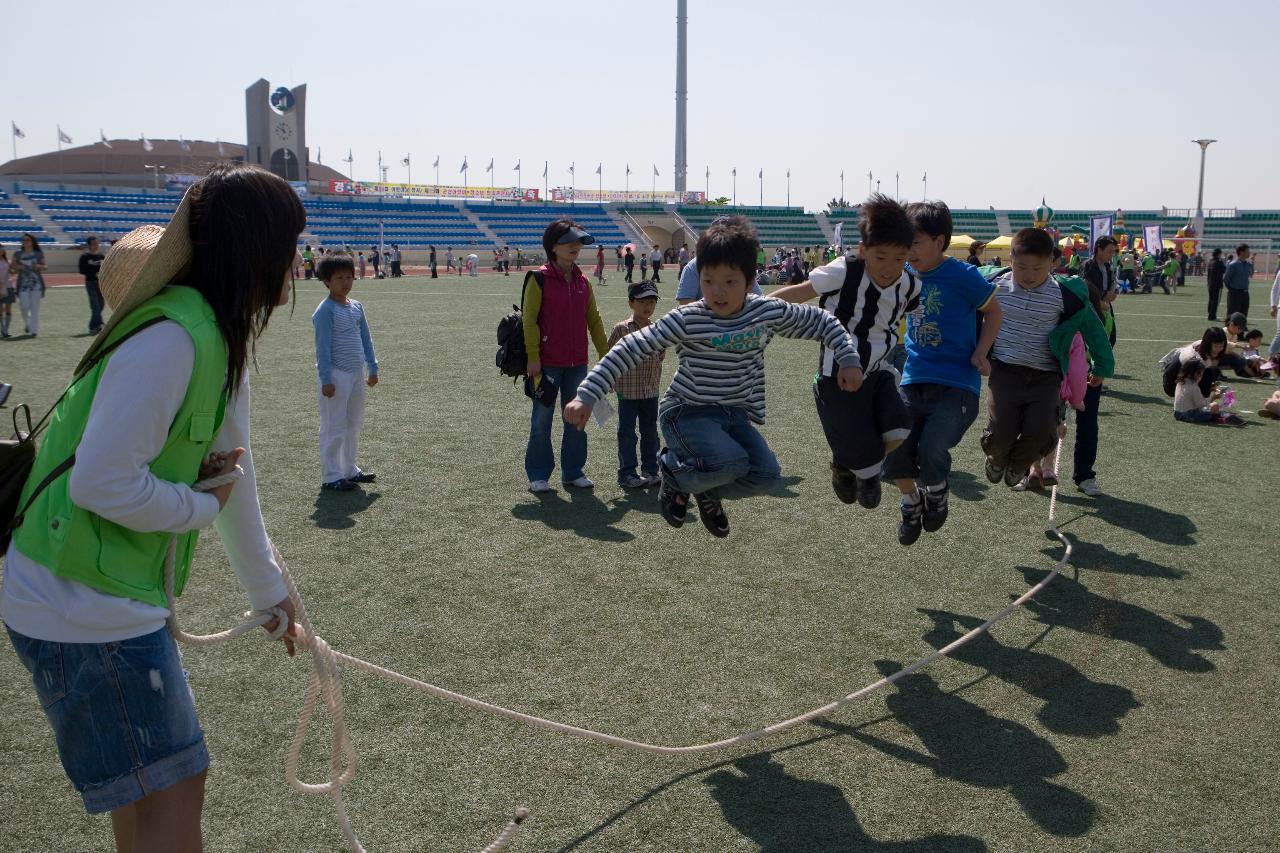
(940, 487)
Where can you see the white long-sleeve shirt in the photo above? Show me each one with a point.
(1275, 291)
(128, 424)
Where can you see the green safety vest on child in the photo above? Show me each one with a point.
(78, 545)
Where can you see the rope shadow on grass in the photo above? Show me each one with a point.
(583, 514)
(1070, 604)
(335, 510)
(1158, 525)
(975, 747)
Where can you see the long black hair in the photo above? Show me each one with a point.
(244, 227)
(1212, 335)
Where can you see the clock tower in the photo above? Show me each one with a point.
(276, 123)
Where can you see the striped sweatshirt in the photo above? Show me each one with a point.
(721, 358)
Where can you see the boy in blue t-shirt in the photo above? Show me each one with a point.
(344, 349)
(946, 358)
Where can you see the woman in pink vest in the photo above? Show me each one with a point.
(557, 317)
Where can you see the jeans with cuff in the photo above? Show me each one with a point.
(641, 414)
(539, 459)
(940, 415)
(716, 450)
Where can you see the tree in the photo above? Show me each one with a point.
(722, 200)
(837, 204)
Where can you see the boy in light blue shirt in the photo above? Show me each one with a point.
(344, 350)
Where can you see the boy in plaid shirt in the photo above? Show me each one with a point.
(638, 396)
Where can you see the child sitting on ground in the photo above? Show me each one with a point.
(344, 349)
(638, 395)
(1031, 353)
(1190, 404)
(717, 394)
(869, 294)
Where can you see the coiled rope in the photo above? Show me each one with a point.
(325, 683)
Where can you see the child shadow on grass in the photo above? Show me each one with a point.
(335, 510)
(583, 513)
(1158, 525)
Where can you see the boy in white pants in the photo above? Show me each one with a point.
(344, 349)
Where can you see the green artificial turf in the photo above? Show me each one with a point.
(1130, 708)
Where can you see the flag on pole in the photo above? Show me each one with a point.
(735, 171)
(839, 234)
(788, 173)
(599, 166)
(516, 168)
(1101, 226)
(489, 168)
(222, 152)
(571, 170)
(1152, 238)
(405, 161)
(146, 144)
(318, 160)
(17, 131)
(183, 144)
(436, 164)
(656, 173)
(708, 171)
(628, 168)
(62, 136)
(761, 175)
(544, 168)
(464, 164)
(842, 174)
(349, 157)
(103, 138)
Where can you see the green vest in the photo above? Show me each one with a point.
(78, 545)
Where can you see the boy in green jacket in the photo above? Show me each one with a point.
(1041, 316)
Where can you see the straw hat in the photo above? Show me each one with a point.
(140, 264)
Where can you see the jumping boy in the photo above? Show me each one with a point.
(1032, 351)
(717, 394)
(344, 350)
(946, 360)
(638, 396)
(869, 294)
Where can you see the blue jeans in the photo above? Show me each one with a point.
(716, 450)
(95, 305)
(940, 415)
(539, 460)
(122, 714)
(643, 413)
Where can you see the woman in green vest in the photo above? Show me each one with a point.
(160, 400)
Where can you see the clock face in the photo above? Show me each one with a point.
(284, 131)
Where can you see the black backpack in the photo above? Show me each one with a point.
(511, 359)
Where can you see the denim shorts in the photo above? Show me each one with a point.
(122, 713)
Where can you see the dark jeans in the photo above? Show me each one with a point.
(630, 269)
(1238, 300)
(95, 305)
(1196, 416)
(642, 414)
(1215, 292)
(657, 268)
(716, 450)
(1087, 435)
(1022, 409)
(539, 459)
(939, 416)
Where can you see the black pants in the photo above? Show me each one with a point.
(1087, 435)
(1215, 292)
(630, 269)
(395, 269)
(656, 269)
(857, 424)
(433, 270)
(1022, 407)
(1238, 300)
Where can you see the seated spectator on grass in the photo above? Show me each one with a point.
(1192, 405)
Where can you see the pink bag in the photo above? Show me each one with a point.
(1076, 380)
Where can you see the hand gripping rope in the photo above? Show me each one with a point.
(325, 682)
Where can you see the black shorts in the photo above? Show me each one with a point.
(857, 424)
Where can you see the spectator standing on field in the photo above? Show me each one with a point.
(1236, 280)
(90, 260)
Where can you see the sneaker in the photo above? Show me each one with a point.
(339, 486)
(912, 513)
(651, 479)
(672, 510)
(1012, 477)
(869, 491)
(5, 388)
(363, 476)
(539, 487)
(844, 483)
(1029, 483)
(995, 473)
(1090, 487)
(935, 509)
(711, 511)
(583, 482)
(632, 481)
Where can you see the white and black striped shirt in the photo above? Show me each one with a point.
(877, 312)
(721, 358)
(1030, 314)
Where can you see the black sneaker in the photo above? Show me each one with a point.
(844, 483)
(1013, 477)
(364, 477)
(912, 511)
(869, 491)
(339, 486)
(935, 509)
(711, 511)
(672, 511)
(995, 473)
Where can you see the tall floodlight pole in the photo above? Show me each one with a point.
(842, 185)
(1204, 146)
(682, 94)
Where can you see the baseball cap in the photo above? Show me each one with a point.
(575, 234)
(642, 290)
(1239, 320)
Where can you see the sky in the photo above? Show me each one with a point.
(999, 103)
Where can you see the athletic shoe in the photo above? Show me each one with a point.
(651, 479)
(1090, 487)
(631, 481)
(935, 509)
(583, 482)
(673, 511)
(539, 487)
(869, 491)
(364, 477)
(711, 511)
(995, 473)
(1029, 483)
(1012, 477)
(912, 513)
(339, 486)
(844, 483)
(5, 388)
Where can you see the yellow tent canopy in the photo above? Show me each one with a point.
(1000, 243)
(961, 243)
